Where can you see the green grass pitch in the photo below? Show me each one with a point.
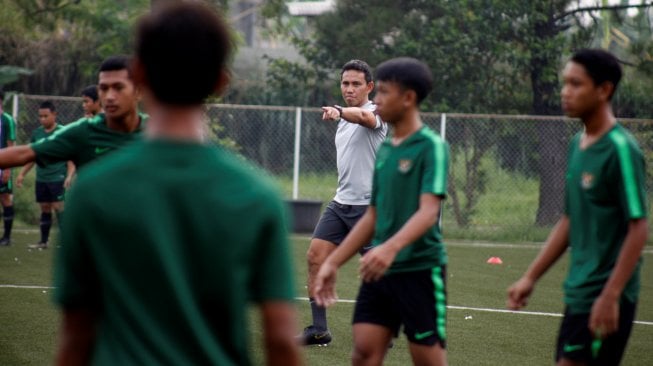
(28, 320)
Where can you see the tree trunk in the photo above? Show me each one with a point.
(552, 139)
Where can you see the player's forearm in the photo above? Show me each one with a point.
(77, 338)
(279, 324)
(555, 246)
(628, 257)
(359, 116)
(16, 156)
(70, 169)
(360, 235)
(421, 221)
(25, 169)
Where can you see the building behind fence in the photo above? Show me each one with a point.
(503, 167)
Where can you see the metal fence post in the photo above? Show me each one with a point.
(298, 138)
(443, 126)
(14, 107)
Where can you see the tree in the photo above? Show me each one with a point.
(493, 56)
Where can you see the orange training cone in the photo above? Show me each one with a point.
(494, 260)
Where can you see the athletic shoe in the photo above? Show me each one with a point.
(5, 242)
(313, 336)
(38, 246)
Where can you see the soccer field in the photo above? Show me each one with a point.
(480, 331)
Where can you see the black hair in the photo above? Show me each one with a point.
(116, 63)
(91, 92)
(600, 65)
(47, 104)
(358, 65)
(409, 73)
(183, 48)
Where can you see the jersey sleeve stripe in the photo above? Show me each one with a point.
(635, 207)
(440, 159)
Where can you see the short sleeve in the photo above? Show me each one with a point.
(75, 279)
(10, 128)
(631, 177)
(272, 278)
(435, 168)
(60, 146)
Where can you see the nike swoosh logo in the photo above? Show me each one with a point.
(420, 336)
(572, 347)
(320, 336)
(101, 150)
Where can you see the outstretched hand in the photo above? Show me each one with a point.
(330, 114)
(325, 285)
(376, 262)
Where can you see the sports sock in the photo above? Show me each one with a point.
(8, 217)
(319, 315)
(46, 223)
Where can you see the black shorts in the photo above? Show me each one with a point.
(337, 221)
(7, 188)
(49, 192)
(577, 344)
(417, 300)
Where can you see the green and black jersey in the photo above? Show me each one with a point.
(402, 174)
(84, 141)
(56, 171)
(605, 189)
(169, 242)
(7, 129)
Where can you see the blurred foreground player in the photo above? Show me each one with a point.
(165, 242)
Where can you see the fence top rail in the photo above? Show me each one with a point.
(316, 109)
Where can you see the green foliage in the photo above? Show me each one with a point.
(10, 74)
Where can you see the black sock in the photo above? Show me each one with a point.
(46, 223)
(8, 217)
(319, 315)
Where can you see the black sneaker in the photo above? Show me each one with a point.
(313, 336)
(5, 242)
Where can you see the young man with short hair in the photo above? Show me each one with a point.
(359, 134)
(91, 101)
(7, 139)
(88, 139)
(149, 273)
(604, 223)
(404, 272)
(51, 179)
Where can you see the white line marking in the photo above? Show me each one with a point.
(27, 287)
(454, 307)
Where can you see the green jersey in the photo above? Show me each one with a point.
(169, 242)
(605, 189)
(401, 175)
(7, 129)
(83, 141)
(56, 171)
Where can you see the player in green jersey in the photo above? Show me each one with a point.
(7, 139)
(91, 101)
(150, 274)
(404, 272)
(51, 179)
(604, 222)
(90, 138)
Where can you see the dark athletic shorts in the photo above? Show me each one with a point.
(417, 300)
(576, 343)
(49, 192)
(337, 221)
(7, 188)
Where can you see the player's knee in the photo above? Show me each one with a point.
(363, 354)
(315, 255)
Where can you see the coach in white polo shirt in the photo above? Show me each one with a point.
(360, 132)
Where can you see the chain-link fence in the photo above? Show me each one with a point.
(506, 177)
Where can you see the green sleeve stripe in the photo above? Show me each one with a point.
(628, 174)
(440, 159)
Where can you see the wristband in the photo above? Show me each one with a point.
(339, 109)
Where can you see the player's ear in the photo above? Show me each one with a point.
(370, 87)
(409, 98)
(223, 81)
(606, 89)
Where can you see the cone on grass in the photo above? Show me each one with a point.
(494, 260)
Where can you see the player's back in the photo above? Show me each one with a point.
(182, 236)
